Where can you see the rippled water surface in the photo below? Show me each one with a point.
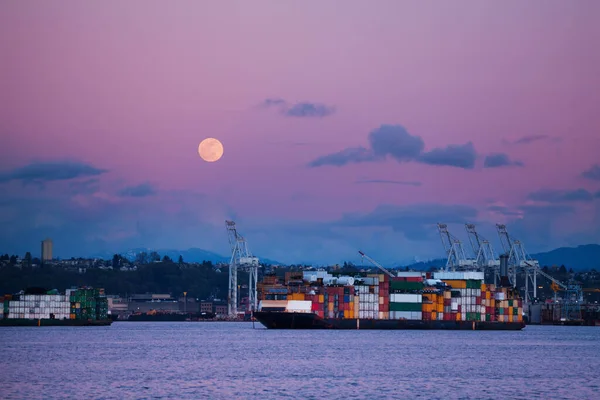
(204, 360)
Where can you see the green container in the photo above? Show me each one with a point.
(406, 306)
(400, 285)
(488, 317)
(500, 311)
(515, 311)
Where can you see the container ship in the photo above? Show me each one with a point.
(84, 306)
(406, 300)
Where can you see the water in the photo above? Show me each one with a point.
(231, 361)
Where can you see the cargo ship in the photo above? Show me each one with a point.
(405, 300)
(83, 306)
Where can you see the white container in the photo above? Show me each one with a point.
(500, 296)
(406, 298)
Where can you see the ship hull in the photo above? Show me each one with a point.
(53, 322)
(287, 320)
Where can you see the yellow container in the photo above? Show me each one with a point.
(488, 295)
(346, 314)
(493, 303)
(484, 287)
(321, 298)
(381, 277)
(510, 318)
(330, 306)
(510, 311)
(440, 307)
(457, 284)
(433, 315)
(351, 313)
(77, 305)
(447, 294)
(458, 316)
(72, 316)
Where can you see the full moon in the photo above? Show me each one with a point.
(210, 149)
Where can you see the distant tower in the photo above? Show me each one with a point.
(47, 250)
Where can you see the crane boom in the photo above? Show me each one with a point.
(375, 263)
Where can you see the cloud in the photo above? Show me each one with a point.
(309, 110)
(497, 160)
(141, 190)
(392, 182)
(592, 173)
(395, 141)
(274, 102)
(301, 109)
(40, 172)
(561, 196)
(343, 157)
(460, 156)
(531, 139)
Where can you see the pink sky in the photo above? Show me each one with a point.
(133, 87)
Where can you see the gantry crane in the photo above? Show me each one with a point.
(518, 258)
(241, 258)
(455, 252)
(375, 263)
(485, 256)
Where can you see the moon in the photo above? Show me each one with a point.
(210, 149)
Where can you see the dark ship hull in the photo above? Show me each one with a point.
(290, 320)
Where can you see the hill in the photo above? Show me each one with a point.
(580, 258)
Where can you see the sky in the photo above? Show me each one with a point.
(346, 126)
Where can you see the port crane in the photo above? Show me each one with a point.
(375, 263)
(485, 256)
(455, 252)
(241, 259)
(518, 258)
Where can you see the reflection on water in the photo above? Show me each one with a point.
(232, 360)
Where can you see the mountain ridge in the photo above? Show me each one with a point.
(582, 257)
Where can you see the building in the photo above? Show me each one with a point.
(47, 250)
(206, 306)
(221, 309)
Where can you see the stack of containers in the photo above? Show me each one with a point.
(339, 302)
(449, 314)
(367, 305)
(508, 308)
(406, 299)
(37, 306)
(318, 306)
(384, 296)
(488, 303)
(87, 303)
(433, 306)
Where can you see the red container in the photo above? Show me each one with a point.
(447, 302)
(315, 307)
(477, 301)
(459, 308)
